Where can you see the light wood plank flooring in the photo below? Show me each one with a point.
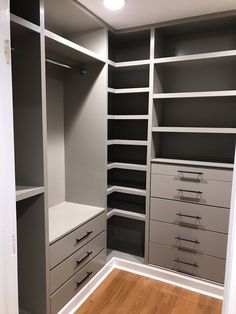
(126, 293)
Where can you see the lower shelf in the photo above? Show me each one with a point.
(125, 213)
(129, 257)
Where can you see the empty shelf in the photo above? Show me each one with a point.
(217, 56)
(22, 22)
(226, 93)
(128, 90)
(121, 165)
(128, 63)
(127, 142)
(66, 216)
(194, 130)
(127, 190)
(23, 192)
(193, 163)
(126, 214)
(127, 117)
(66, 49)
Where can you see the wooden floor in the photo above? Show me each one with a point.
(126, 293)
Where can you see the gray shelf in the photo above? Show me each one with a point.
(23, 192)
(194, 130)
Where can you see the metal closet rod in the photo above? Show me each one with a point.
(66, 66)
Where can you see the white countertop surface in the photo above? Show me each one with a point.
(66, 216)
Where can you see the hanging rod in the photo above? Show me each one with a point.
(66, 66)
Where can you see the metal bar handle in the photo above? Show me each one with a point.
(86, 277)
(84, 258)
(84, 237)
(189, 216)
(190, 172)
(189, 191)
(177, 260)
(187, 240)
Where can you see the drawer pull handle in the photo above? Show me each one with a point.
(85, 278)
(190, 172)
(189, 191)
(189, 216)
(187, 240)
(84, 237)
(177, 260)
(84, 258)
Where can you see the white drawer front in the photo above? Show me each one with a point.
(194, 240)
(77, 282)
(190, 215)
(193, 173)
(66, 246)
(208, 192)
(75, 262)
(199, 265)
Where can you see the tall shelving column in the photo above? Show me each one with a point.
(128, 119)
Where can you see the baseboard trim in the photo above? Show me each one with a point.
(196, 285)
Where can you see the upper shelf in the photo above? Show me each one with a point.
(22, 22)
(23, 192)
(127, 64)
(127, 117)
(210, 56)
(128, 90)
(225, 93)
(68, 51)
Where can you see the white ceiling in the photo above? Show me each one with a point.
(144, 12)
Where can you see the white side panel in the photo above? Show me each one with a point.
(229, 304)
(8, 255)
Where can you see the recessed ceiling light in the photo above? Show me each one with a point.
(114, 4)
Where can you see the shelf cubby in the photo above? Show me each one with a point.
(129, 46)
(28, 10)
(126, 235)
(127, 154)
(218, 148)
(128, 77)
(195, 77)
(128, 104)
(27, 106)
(189, 38)
(126, 202)
(128, 178)
(127, 129)
(214, 112)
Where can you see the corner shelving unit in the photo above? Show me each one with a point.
(128, 116)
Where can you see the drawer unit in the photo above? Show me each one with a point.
(199, 265)
(78, 281)
(208, 192)
(70, 243)
(189, 239)
(193, 173)
(190, 215)
(75, 262)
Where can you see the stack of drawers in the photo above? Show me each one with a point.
(75, 259)
(189, 219)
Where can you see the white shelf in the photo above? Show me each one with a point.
(136, 63)
(126, 142)
(226, 93)
(23, 192)
(66, 216)
(125, 256)
(126, 214)
(22, 22)
(217, 56)
(121, 165)
(128, 90)
(127, 190)
(193, 163)
(194, 130)
(128, 117)
(65, 49)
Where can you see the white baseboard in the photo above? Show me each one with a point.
(156, 273)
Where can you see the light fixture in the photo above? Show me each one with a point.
(114, 4)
